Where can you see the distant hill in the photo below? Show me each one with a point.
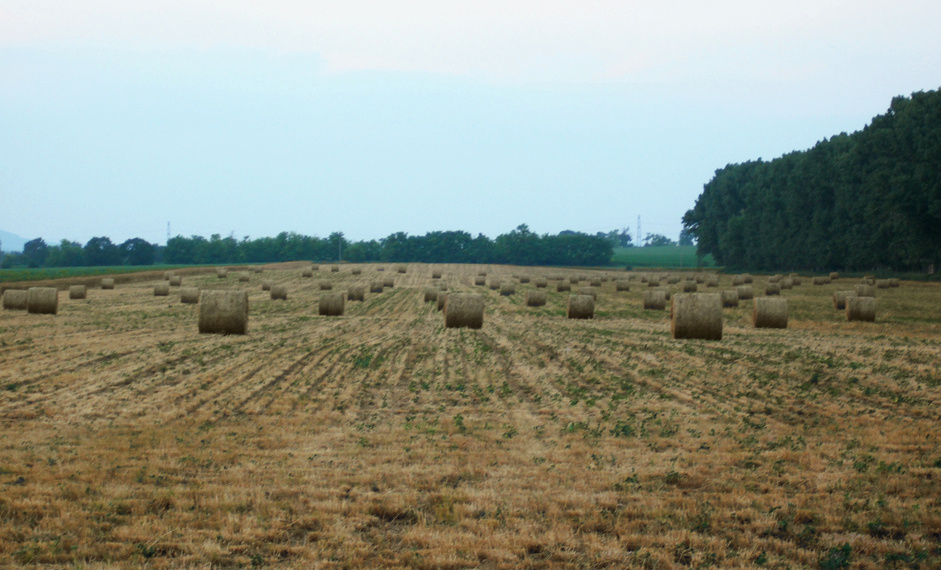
(11, 242)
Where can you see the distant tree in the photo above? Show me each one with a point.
(652, 240)
(66, 254)
(35, 252)
(137, 251)
(99, 251)
(686, 237)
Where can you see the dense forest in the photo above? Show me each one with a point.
(518, 247)
(866, 201)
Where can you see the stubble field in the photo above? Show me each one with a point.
(382, 439)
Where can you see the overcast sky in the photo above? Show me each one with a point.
(371, 117)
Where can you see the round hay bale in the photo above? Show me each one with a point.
(748, 278)
(673, 279)
(443, 286)
(574, 279)
(745, 292)
(738, 280)
(595, 282)
(258, 270)
(536, 298)
(356, 270)
(867, 281)
(819, 280)
(266, 285)
(401, 268)
(334, 269)
(495, 284)
(796, 280)
(42, 300)
(894, 282)
(388, 281)
(712, 281)
(77, 292)
(882, 283)
(541, 282)
(839, 299)
(507, 288)
(279, 292)
(697, 315)
(865, 290)
(591, 292)
(773, 289)
(315, 267)
(655, 300)
(161, 289)
(700, 278)
(730, 298)
(436, 274)
(622, 285)
(690, 287)
(375, 287)
(176, 281)
(222, 273)
(525, 278)
(787, 283)
(480, 281)
(667, 294)
(189, 295)
(107, 283)
(776, 278)
(442, 299)
(770, 313)
(380, 268)
(653, 282)
(563, 286)
(15, 299)
(869, 278)
(481, 273)
(861, 309)
(324, 285)
(244, 278)
(430, 294)
(331, 304)
(834, 276)
(307, 273)
(167, 275)
(223, 312)
(464, 310)
(581, 307)
(356, 293)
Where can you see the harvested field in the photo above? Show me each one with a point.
(380, 438)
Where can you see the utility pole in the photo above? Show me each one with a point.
(168, 232)
(640, 236)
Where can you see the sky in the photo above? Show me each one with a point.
(369, 117)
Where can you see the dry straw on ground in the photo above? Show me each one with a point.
(581, 307)
(189, 295)
(536, 298)
(861, 308)
(77, 292)
(14, 299)
(331, 305)
(655, 300)
(161, 289)
(697, 315)
(730, 298)
(279, 292)
(223, 312)
(107, 283)
(464, 310)
(356, 293)
(770, 313)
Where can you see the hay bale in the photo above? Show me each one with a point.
(712, 281)
(787, 283)
(107, 283)
(541, 282)
(690, 286)
(563, 286)
(258, 270)
(176, 281)
(189, 295)
(334, 269)
(495, 284)
(773, 289)
(375, 287)
(380, 268)
(77, 292)
(819, 280)
(867, 281)
(401, 268)
(161, 289)
(622, 285)
(673, 279)
(331, 305)
(770, 313)
(481, 273)
(223, 312)
(324, 285)
(536, 298)
(442, 299)
(356, 293)
(667, 294)
(480, 280)
(839, 299)
(436, 274)
(894, 282)
(244, 278)
(748, 278)
(776, 278)
(356, 270)
(834, 276)
(865, 290)
(315, 267)
(581, 307)
(590, 291)
(730, 298)
(882, 283)
(42, 300)
(464, 310)
(222, 273)
(430, 294)
(443, 286)
(655, 300)
(700, 278)
(15, 299)
(697, 315)
(653, 282)
(861, 309)
(266, 285)
(279, 292)
(745, 292)
(507, 288)
(870, 278)
(574, 279)
(167, 275)
(738, 280)
(388, 281)
(307, 273)
(595, 282)
(795, 280)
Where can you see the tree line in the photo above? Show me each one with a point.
(518, 247)
(866, 201)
